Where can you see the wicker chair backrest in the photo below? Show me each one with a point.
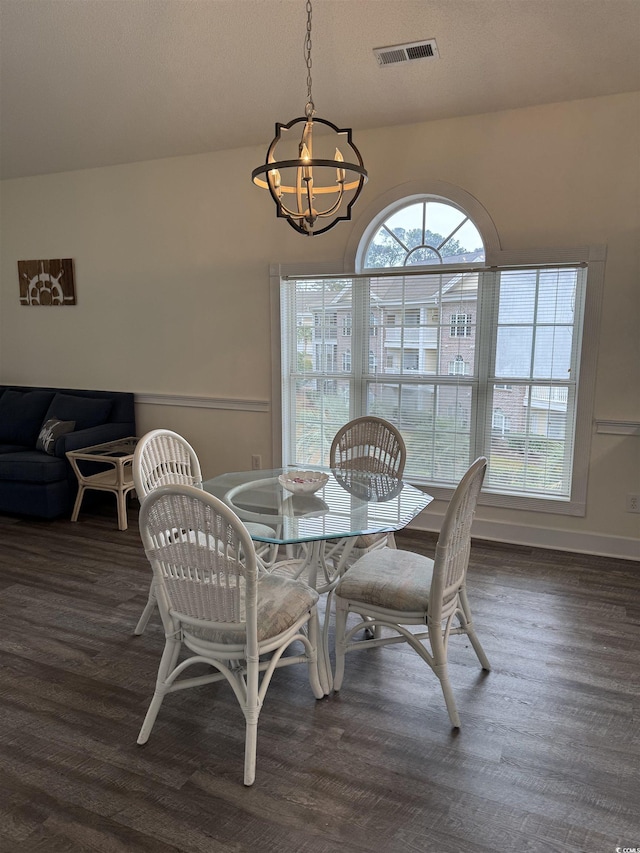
(454, 542)
(369, 444)
(203, 559)
(163, 458)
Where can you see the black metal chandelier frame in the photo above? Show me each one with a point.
(306, 216)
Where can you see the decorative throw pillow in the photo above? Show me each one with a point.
(21, 415)
(87, 412)
(51, 430)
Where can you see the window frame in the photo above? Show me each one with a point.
(594, 257)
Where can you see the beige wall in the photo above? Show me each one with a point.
(172, 256)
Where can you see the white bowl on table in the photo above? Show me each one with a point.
(303, 482)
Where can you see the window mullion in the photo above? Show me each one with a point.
(359, 347)
(288, 327)
(486, 338)
(534, 336)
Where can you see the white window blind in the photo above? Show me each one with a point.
(515, 351)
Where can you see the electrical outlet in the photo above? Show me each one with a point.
(256, 462)
(633, 502)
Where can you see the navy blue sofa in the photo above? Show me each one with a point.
(40, 482)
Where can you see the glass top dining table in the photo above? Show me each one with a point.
(351, 503)
(319, 530)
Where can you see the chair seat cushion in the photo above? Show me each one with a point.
(260, 530)
(391, 579)
(281, 602)
(368, 540)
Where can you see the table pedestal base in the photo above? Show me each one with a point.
(322, 576)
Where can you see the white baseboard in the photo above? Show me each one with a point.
(599, 544)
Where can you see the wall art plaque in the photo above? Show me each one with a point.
(47, 282)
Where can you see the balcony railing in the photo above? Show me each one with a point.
(549, 394)
(411, 337)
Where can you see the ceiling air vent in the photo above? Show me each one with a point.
(406, 52)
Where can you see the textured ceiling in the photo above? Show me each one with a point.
(87, 83)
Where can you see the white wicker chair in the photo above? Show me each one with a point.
(375, 446)
(393, 589)
(163, 457)
(213, 601)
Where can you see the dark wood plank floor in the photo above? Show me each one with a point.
(547, 758)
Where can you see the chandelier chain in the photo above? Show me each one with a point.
(309, 108)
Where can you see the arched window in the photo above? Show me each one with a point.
(417, 233)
